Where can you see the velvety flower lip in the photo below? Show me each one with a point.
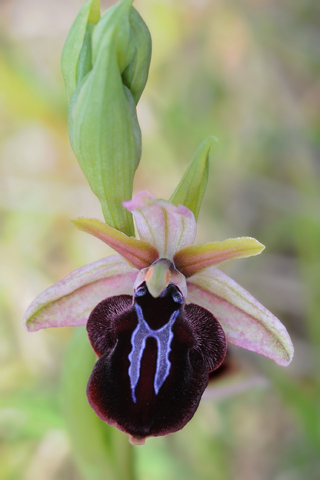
(155, 355)
(161, 314)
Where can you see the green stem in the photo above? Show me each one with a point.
(123, 456)
(101, 452)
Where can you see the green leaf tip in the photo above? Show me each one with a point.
(94, 13)
(105, 64)
(192, 186)
(89, 14)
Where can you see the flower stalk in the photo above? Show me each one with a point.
(100, 452)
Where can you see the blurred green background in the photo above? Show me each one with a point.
(247, 72)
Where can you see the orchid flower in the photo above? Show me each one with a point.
(159, 315)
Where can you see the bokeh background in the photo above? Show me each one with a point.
(247, 72)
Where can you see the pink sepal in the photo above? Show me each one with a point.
(70, 301)
(244, 320)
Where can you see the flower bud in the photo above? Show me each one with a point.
(105, 66)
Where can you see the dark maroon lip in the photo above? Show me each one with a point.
(155, 356)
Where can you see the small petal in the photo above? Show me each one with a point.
(70, 301)
(140, 254)
(190, 260)
(245, 321)
(167, 227)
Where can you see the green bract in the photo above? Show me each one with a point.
(105, 65)
(192, 186)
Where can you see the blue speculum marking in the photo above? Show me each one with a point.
(163, 337)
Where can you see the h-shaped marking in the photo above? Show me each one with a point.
(163, 337)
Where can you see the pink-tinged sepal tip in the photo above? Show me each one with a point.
(69, 302)
(246, 322)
